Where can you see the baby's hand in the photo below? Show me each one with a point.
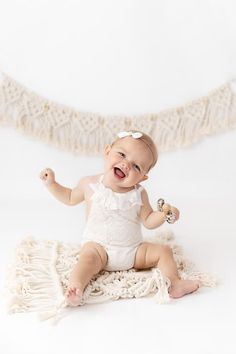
(175, 211)
(47, 176)
(169, 208)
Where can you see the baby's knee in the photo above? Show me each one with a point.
(88, 257)
(93, 254)
(166, 249)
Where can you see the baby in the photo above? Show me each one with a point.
(117, 204)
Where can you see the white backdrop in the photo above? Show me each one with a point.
(127, 56)
(122, 57)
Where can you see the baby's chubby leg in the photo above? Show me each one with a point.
(150, 255)
(92, 260)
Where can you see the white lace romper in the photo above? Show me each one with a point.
(113, 222)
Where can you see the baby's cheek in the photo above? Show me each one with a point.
(134, 176)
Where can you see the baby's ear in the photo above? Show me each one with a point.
(144, 178)
(106, 150)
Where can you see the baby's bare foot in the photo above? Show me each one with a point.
(73, 296)
(181, 287)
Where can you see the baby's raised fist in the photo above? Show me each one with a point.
(47, 176)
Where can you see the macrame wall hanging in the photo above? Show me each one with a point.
(88, 133)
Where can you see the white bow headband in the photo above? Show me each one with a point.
(135, 135)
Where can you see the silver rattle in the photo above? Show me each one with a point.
(170, 217)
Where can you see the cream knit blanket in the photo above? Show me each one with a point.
(38, 277)
(88, 133)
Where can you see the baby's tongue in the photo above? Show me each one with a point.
(119, 173)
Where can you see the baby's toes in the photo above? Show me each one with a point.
(199, 283)
(67, 293)
(70, 291)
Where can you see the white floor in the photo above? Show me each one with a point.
(203, 322)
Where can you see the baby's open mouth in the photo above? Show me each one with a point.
(118, 172)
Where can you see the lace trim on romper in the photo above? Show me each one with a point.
(113, 200)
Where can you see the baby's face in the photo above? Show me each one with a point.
(127, 162)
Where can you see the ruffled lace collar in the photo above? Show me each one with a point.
(109, 199)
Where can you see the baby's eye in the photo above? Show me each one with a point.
(137, 168)
(121, 154)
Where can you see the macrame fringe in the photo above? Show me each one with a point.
(88, 133)
(33, 281)
(39, 277)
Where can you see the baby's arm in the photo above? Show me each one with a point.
(152, 219)
(63, 194)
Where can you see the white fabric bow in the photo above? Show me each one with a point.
(135, 135)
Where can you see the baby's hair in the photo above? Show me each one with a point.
(147, 140)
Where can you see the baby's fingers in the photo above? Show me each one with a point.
(175, 211)
(45, 174)
(166, 207)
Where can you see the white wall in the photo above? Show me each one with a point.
(119, 57)
(126, 56)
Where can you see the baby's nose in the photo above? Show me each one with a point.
(125, 165)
